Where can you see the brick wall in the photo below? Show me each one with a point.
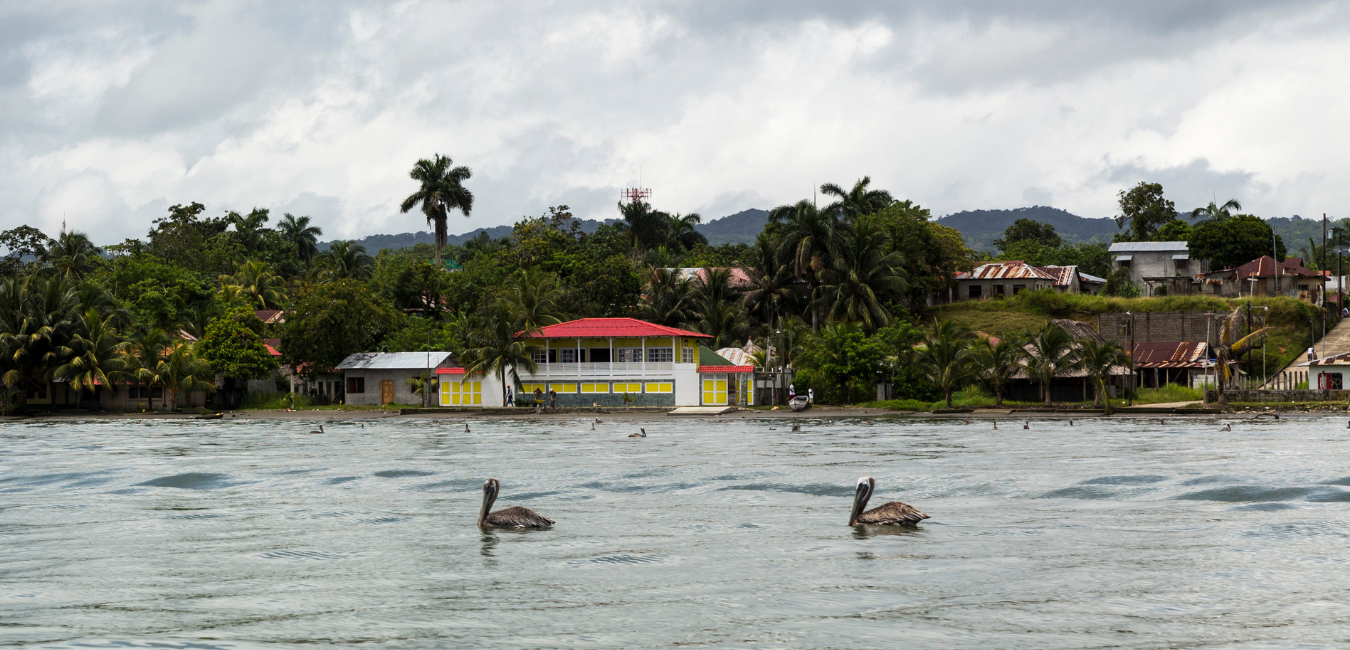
(1159, 327)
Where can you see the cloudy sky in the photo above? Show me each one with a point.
(111, 112)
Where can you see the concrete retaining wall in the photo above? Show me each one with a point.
(1285, 395)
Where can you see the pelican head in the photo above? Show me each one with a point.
(866, 485)
(490, 489)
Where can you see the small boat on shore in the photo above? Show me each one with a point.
(212, 416)
(799, 403)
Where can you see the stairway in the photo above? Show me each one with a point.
(1337, 341)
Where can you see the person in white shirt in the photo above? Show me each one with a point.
(1312, 356)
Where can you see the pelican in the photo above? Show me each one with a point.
(967, 421)
(1070, 421)
(592, 426)
(642, 433)
(996, 425)
(1162, 421)
(892, 513)
(1026, 424)
(1227, 427)
(796, 427)
(466, 427)
(516, 517)
(319, 430)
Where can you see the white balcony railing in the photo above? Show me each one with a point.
(616, 369)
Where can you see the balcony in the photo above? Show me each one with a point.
(616, 369)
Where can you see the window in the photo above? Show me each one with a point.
(563, 388)
(537, 355)
(998, 290)
(595, 388)
(1125, 264)
(1182, 265)
(660, 387)
(1019, 288)
(461, 393)
(976, 292)
(599, 355)
(628, 388)
(356, 385)
(688, 354)
(629, 355)
(660, 355)
(567, 356)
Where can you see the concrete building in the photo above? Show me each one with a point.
(1264, 277)
(1000, 279)
(1068, 279)
(1155, 263)
(1329, 373)
(377, 378)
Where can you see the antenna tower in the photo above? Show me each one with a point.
(636, 194)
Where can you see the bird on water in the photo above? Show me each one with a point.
(642, 433)
(996, 425)
(319, 430)
(1026, 424)
(889, 514)
(1227, 427)
(466, 427)
(514, 517)
(796, 427)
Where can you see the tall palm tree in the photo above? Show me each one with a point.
(1215, 212)
(649, 228)
(1232, 345)
(183, 372)
(1099, 360)
(256, 281)
(497, 347)
(666, 299)
(300, 234)
(771, 282)
(723, 320)
(682, 230)
(442, 190)
(347, 260)
(945, 359)
(861, 279)
(1051, 351)
(145, 352)
(997, 363)
(535, 298)
(856, 202)
(36, 316)
(809, 238)
(248, 227)
(72, 254)
(94, 355)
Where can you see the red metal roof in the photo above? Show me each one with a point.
(724, 369)
(607, 327)
(1266, 266)
(449, 371)
(1179, 354)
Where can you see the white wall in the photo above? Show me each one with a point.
(688, 387)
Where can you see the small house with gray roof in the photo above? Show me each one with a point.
(1155, 263)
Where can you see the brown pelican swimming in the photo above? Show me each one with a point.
(796, 427)
(1227, 427)
(642, 433)
(893, 513)
(466, 427)
(319, 430)
(1026, 425)
(516, 517)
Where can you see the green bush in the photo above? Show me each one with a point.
(1044, 301)
(276, 401)
(1167, 393)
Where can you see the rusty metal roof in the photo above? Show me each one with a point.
(1063, 275)
(1175, 354)
(1342, 359)
(1014, 270)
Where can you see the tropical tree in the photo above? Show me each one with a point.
(534, 298)
(248, 228)
(809, 238)
(234, 349)
(857, 201)
(255, 281)
(770, 283)
(1232, 345)
(666, 298)
(72, 254)
(1098, 360)
(347, 260)
(144, 353)
(945, 358)
(723, 320)
(497, 347)
(997, 363)
(441, 191)
(36, 315)
(298, 232)
(861, 279)
(93, 356)
(183, 372)
(649, 228)
(682, 229)
(1050, 352)
(1215, 212)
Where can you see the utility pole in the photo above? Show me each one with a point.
(1131, 388)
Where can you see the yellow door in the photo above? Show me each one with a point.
(386, 392)
(715, 392)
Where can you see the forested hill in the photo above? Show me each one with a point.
(741, 227)
(982, 227)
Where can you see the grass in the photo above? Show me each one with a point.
(282, 401)
(969, 397)
(1167, 393)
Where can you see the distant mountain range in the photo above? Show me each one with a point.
(981, 227)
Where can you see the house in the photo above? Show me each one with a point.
(625, 361)
(1328, 373)
(1264, 277)
(1068, 279)
(378, 378)
(999, 279)
(1180, 362)
(1155, 263)
(1068, 385)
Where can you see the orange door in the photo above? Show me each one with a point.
(386, 392)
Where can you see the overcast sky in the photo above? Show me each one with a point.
(110, 112)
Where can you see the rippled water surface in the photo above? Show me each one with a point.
(709, 533)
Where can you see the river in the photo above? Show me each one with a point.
(722, 533)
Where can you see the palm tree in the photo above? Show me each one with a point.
(94, 355)
(347, 260)
(36, 315)
(535, 298)
(254, 280)
(442, 190)
(72, 254)
(1215, 212)
(682, 229)
(649, 228)
(666, 298)
(1099, 360)
(1051, 352)
(144, 354)
(809, 238)
(723, 320)
(182, 372)
(771, 283)
(248, 227)
(300, 234)
(1233, 345)
(945, 358)
(856, 202)
(496, 347)
(997, 363)
(859, 281)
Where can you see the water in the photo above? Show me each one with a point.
(709, 533)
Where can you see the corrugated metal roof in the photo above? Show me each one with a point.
(737, 356)
(1342, 359)
(607, 327)
(392, 360)
(1147, 247)
(1266, 266)
(1016, 270)
(1063, 275)
(1178, 354)
(1084, 277)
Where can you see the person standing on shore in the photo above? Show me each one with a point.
(1312, 354)
(810, 396)
(510, 396)
(792, 392)
(538, 397)
(552, 398)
